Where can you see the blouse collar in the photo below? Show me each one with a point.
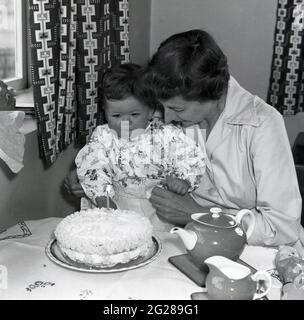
(240, 107)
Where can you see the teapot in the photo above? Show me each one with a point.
(229, 280)
(215, 233)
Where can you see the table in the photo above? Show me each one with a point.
(32, 275)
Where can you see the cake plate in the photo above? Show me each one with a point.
(54, 253)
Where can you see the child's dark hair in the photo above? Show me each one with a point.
(189, 64)
(118, 82)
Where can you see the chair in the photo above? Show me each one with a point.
(298, 149)
(300, 175)
(298, 155)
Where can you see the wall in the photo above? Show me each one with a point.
(34, 192)
(140, 13)
(243, 28)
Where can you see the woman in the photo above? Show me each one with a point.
(250, 162)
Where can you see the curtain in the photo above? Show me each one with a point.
(72, 43)
(286, 87)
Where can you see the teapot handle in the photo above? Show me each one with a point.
(239, 218)
(262, 275)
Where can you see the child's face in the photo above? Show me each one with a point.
(129, 110)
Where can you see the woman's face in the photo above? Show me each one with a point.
(189, 113)
(129, 110)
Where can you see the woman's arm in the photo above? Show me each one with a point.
(72, 186)
(174, 208)
(278, 206)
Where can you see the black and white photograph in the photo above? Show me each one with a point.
(151, 151)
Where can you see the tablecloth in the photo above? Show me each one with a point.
(26, 272)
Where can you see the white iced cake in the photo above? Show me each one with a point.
(101, 237)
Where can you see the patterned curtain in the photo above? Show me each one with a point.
(72, 43)
(286, 87)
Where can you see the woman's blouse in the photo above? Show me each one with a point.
(249, 165)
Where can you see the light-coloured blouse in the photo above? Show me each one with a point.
(144, 159)
(250, 166)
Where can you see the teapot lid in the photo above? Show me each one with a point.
(217, 219)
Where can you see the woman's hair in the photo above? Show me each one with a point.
(189, 64)
(118, 82)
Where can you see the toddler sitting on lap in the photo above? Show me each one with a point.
(134, 152)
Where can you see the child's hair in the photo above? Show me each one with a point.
(118, 82)
(189, 64)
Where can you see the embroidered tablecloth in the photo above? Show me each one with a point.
(27, 273)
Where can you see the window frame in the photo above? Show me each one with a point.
(21, 80)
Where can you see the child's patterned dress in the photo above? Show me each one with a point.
(132, 167)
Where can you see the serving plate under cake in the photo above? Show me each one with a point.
(54, 254)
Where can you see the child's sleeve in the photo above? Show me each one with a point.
(187, 157)
(93, 166)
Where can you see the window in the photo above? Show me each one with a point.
(13, 44)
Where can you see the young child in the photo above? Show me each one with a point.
(134, 151)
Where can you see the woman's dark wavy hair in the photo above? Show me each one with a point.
(118, 82)
(189, 64)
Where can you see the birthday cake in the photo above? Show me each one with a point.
(104, 237)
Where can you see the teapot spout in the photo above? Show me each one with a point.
(188, 237)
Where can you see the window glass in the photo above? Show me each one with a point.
(8, 62)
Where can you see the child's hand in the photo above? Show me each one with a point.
(102, 203)
(176, 185)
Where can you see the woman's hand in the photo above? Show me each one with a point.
(174, 208)
(72, 186)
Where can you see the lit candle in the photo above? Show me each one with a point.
(108, 199)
